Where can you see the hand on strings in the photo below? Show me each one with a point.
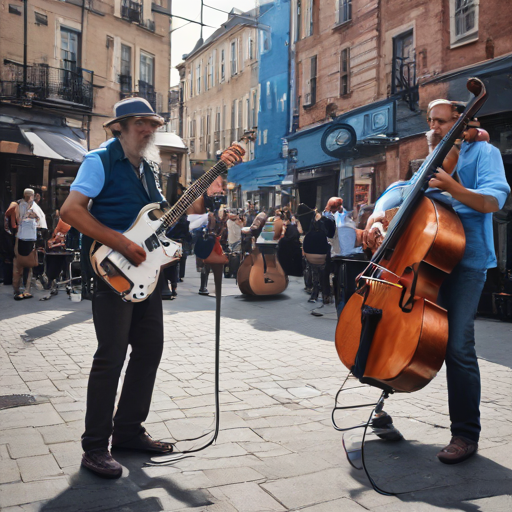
(233, 155)
(442, 180)
(372, 235)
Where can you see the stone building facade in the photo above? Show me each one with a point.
(81, 58)
(220, 91)
(119, 47)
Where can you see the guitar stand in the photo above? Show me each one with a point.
(218, 270)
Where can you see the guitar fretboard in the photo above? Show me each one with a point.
(196, 190)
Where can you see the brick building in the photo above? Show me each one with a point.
(82, 57)
(371, 67)
(374, 65)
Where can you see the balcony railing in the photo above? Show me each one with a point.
(47, 83)
(131, 11)
(125, 84)
(404, 80)
(147, 91)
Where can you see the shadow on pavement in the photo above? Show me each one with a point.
(76, 317)
(89, 493)
(410, 470)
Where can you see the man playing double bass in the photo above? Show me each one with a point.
(480, 189)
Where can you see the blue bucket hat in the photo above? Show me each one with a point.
(133, 107)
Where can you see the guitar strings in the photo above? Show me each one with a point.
(195, 190)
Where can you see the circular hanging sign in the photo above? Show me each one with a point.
(338, 139)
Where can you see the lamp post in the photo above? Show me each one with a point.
(25, 17)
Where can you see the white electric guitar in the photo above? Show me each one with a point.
(136, 283)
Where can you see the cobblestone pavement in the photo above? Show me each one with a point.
(277, 449)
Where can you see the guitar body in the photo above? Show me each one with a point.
(261, 274)
(133, 283)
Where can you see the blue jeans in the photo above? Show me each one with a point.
(460, 295)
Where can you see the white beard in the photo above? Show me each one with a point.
(151, 152)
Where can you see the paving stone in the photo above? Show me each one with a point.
(9, 471)
(301, 491)
(20, 493)
(341, 505)
(67, 454)
(33, 416)
(38, 467)
(250, 497)
(227, 476)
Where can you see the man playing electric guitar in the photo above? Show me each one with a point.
(120, 182)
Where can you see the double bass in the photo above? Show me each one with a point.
(260, 272)
(391, 333)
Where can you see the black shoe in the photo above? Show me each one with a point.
(174, 293)
(203, 291)
(382, 426)
(143, 442)
(102, 464)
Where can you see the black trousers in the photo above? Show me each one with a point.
(119, 324)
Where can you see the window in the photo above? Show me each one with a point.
(41, 19)
(147, 68)
(233, 121)
(234, 57)
(248, 120)
(254, 116)
(125, 79)
(222, 66)
(265, 41)
(210, 73)
(404, 65)
(198, 78)
(308, 18)
(190, 85)
(310, 82)
(68, 49)
(15, 9)
(463, 21)
(240, 123)
(344, 71)
(250, 48)
(216, 135)
(224, 109)
(343, 11)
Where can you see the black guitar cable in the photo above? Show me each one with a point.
(174, 457)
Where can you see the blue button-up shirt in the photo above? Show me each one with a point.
(480, 169)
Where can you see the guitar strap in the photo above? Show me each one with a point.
(176, 456)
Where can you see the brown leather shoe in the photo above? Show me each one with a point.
(459, 449)
(101, 462)
(143, 442)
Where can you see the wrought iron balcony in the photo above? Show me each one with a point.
(131, 11)
(125, 84)
(147, 91)
(45, 83)
(404, 80)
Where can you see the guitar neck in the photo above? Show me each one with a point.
(194, 192)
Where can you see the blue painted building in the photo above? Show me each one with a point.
(258, 177)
